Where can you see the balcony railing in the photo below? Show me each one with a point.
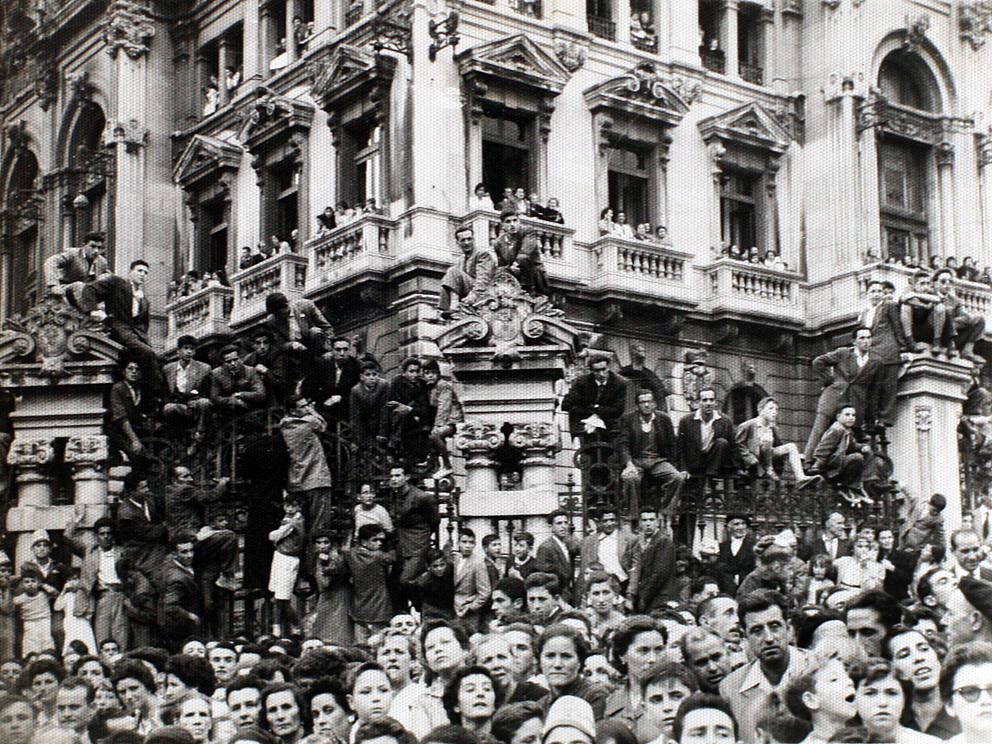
(752, 73)
(642, 268)
(713, 59)
(976, 298)
(604, 28)
(346, 251)
(284, 272)
(202, 314)
(739, 288)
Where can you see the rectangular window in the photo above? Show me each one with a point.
(599, 17)
(903, 200)
(749, 41)
(360, 149)
(212, 237)
(710, 46)
(739, 207)
(507, 152)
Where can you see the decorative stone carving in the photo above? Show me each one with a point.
(46, 81)
(538, 441)
(129, 28)
(923, 417)
(689, 90)
(86, 450)
(128, 133)
(505, 318)
(79, 85)
(750, 125)
(392, 30)
(51, 336)
(478, 441)
(975, 22)
(944, 154)
(31, 452)
(443, 34)
(916, 31)
(570, 53)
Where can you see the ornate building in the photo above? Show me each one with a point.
(834, 134)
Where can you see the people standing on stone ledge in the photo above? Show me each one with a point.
(66, 273)
(367, 408)
(447, 414)
(471, 274)
(409, 411)
(841, 458)
(967, 328)
(763, 450)
(924, 317)
(34, 612)
(889, 341)
(519, 251)
(848, 374)
(744, 395)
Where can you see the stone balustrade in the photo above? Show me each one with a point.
(641, 267)
(347, 251)
(742, 289)
(284, 272)
(202, 314)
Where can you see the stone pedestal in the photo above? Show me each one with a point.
(924, 446)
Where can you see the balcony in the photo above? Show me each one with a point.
(284, 272)
(360, 247)
(641, 268)
(752, 73)
(604, 28)
(741, 289)
(202, 314)
(976, 298)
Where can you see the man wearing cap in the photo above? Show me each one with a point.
(187, 383)
(53, 573)
(737, 551)
(66, 273)
(99, 579)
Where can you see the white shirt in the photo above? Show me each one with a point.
(646, 424)
(182, 378)
(831, 543)
(735, 545)
(861, 359)
(609, 555)
(706, 429)
(106, 573)
(869, 316)
(137, 295)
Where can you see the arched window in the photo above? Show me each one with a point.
(905, 79)
(21, 212)
(92, 164)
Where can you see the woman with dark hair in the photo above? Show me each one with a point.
(520, 723)
(614, 732)
(329, 710)
(637, 644)
(283, 713)
(471, 698)
(91, 668)
(561, 651)
(880, 698)
(17, 719)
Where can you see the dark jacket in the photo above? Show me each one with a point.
(836, 442)
(888, 337)
(657, 581)
(845, 381)
(369, 417)
(224, 384)
(550, 559)
(117, 295)
(815, 544)
(584, 399)
(691, 441)
(311, 321)
(329, 379)
(742, 564)
(415, 521)
(181, 595)
(197, 378)
(662, 431)
(370, 598)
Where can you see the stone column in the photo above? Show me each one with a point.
(4, 274)
(29, 459)
(944, 153)
(478, 441)
(568, 13)
(88, 457)
(223, 60)
(268, 37)
(728, 36)
(768, 46)
(539, 444)
(473, 145)
(841, 110)
(717, 151)
(292, 10)
(983, 147)
(621, 15)
(924, 446)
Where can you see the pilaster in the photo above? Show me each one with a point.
(983, 148)
(33, 481)
(684, 30)
(728, 37)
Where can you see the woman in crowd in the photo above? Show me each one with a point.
(638, 643)
(471, 699)
(606, 224)
(561, 651)
(331, 621)
(283, 714)
(518, 723)
(880, 698)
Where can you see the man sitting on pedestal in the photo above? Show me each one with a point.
(66, 273)
(967, 328)
(706, 440)
(841, 459)
(647, 448)
(924, 317)
(470, 275)
(234, 387)
(519, 251)
(595, 402)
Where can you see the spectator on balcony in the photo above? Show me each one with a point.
(506, 202)
(447, 414)
(848, 374)
(309, 479)
(841, 458)
(344, 214)
(232, 79)
(924, 317)
(326, 221)
(606, 224)
(521, 204)
(706, 440)
(211, 99)
(66, 273)
(642, 34)
(334, 374)
(127, 317)
(187, 382)
(888, 341)
(470, 276)
(270, 364)
(367, 407)
(661, 234)
(622, 228)
(235, 387)
(763, 450)
(480, 199)
(552, 212)
(642, 231)
(519, 251)
(985, 277)
(371, 207)
(640, 377)
(967, 328)
(648, 450)
(129, 421)
(301, 34)
(968, 270)
(595, 402)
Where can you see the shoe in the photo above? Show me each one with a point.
(807, 480)
(228, 583)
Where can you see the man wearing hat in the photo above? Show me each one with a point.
(187, 383)
(53, 573)
(737, 551)
(710, 565)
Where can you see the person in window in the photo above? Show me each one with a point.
(622, 229)
(552, 212)
(480, 199)
(606, 224)
(326, 221)
(232, 78)
(534, 207)
(519, 251)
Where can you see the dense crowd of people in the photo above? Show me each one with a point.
(395, 624)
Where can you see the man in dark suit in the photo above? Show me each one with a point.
(653, 580)
(595, 402)
(519, 251)
(410, 415)
(335, 374)
(271, 365)
(187, 381)
(128, 420)
(234, 387)
(888, 341)
(841, 458)
(706, 440)
(556, 555)
(848, 374)
(830, 540)
(737, 551)
(647, 448)
(367, 407)
(140, 527)
(181, 611)
(127, 317)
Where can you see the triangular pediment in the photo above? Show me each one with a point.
(750, 124)
(271, 116)
(640, 92)
(348, 71)
(514, 60)
(205, 155)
